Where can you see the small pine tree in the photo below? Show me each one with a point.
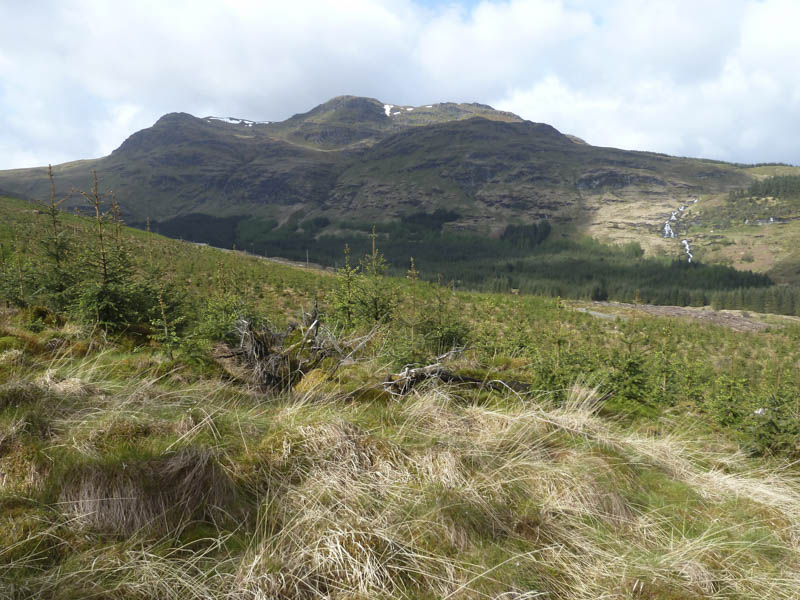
(344, 295)
(663, 371)
(57, 278)
(166, 328)
(149, 241)
(774, 427)
(107, 258)
(56, 243)
(413, 275)
(108, 293)
(17, 278)
(629, 376)
(443, 327)
(729, 400)
(375, 299)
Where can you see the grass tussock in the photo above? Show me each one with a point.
(18, 393)
(156, 494)
(156, 487)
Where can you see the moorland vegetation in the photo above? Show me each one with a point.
(178, 421)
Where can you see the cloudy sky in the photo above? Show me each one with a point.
(710, 78)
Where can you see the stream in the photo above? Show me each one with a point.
(669, 230)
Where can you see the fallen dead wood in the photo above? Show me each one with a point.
(277, 360)
(402, 383)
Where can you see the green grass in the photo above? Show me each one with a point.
(130, 468)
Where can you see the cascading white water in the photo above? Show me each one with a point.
(688, 249)
(669, 231)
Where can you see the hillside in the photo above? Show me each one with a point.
(195, 423)
(221, 167)
(384, 161)
(757, 227)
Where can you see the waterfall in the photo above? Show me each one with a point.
(669, 232)
(688, 249)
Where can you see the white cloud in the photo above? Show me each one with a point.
(497, 45)
(712, 77)
(116, 124)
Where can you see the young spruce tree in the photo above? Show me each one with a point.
(108, 294)
(344, 295)
(58, 277)
(375, 299)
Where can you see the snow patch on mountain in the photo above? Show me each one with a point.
(234, 121)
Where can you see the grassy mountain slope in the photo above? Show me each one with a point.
(348, 154)
(757, 227)
(354, 161)
(498, 173)
(641, 457)
(188, 165)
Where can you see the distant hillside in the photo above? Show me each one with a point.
(359, 153)
(353, 160)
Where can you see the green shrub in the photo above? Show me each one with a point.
(116, 306)
(376, 298)
(442, 326)
(773, 428)
(9, 343)
(217, 319)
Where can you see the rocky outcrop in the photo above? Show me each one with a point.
(615, 179)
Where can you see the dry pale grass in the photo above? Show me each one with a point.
(22, 470)
(123, 572)
(158, 494)
(448, 498)
(11, 357)
(67, 386)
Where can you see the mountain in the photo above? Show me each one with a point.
(225, 166)
(354, 160)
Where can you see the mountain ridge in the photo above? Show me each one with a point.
(382, 162)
